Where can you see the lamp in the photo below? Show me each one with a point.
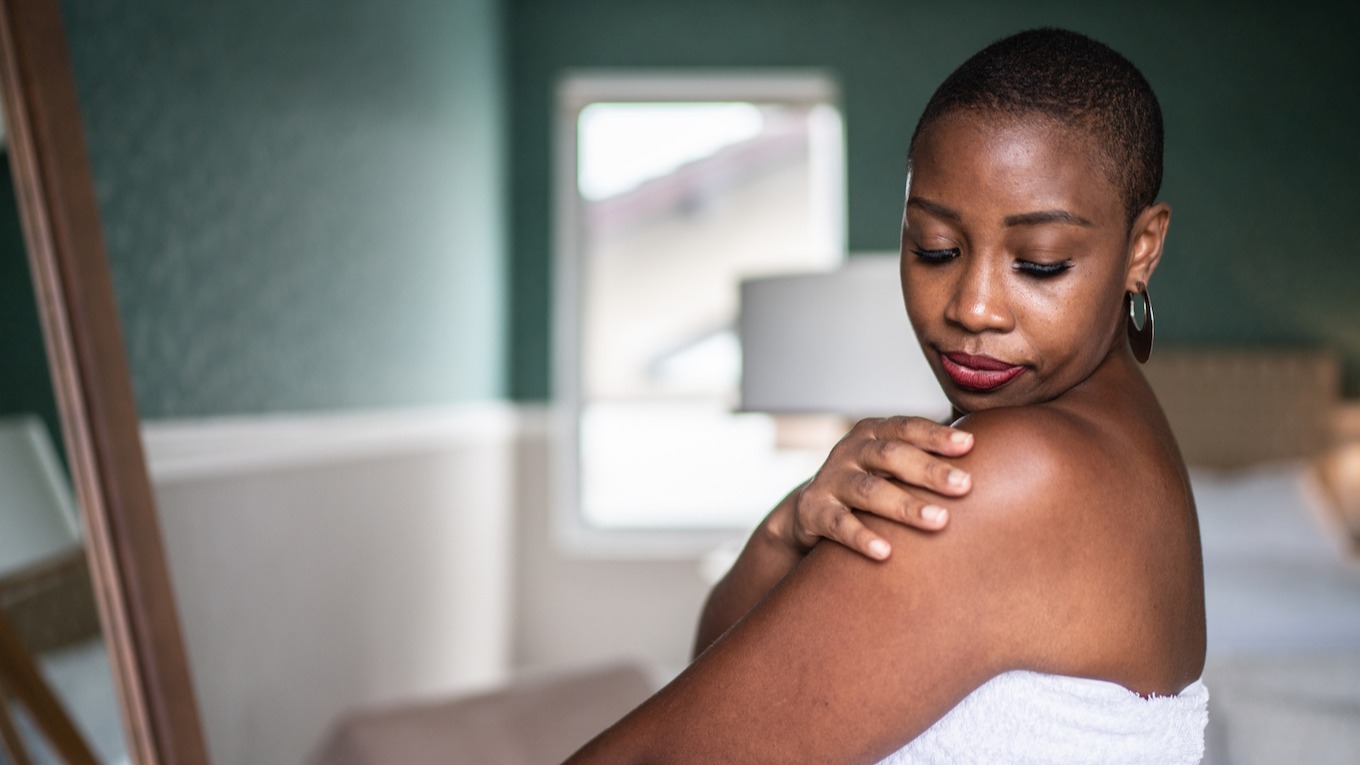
(834, 342)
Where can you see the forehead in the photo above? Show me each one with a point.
(1001, 165)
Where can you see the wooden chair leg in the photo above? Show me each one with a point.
(10, 743)
(20, 675)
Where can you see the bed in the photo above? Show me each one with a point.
(1282, 579)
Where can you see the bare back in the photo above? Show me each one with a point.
(1125, 557)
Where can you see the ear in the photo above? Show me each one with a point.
(1145, 244)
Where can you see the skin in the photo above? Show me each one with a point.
(877, 468)
(1075, 552)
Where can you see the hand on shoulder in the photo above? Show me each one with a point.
(1030, 460)
(1017, 556)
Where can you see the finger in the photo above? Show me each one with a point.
(914, 467)
(851, 532)
(884, 498)
(925, 434)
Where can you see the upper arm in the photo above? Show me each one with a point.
(848, 658)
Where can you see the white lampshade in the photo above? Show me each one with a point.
(836, 342)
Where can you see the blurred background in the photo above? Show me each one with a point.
(339, 233)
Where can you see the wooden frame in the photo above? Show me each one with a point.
(99, 417)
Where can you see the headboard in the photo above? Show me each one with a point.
(1232, 408)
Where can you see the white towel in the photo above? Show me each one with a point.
(1030, 717)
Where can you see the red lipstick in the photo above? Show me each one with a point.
(978, 373)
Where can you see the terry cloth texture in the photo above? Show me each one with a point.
(1030, 717)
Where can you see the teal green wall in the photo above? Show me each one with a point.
(1261, 104)
(25, 385)
(303, 201)
(317, 205)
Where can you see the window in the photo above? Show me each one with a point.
(671, 189)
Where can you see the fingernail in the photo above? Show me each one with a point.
(957, 477)
(960, 437)
(934, 513)
(879, 549)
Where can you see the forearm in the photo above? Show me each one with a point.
(765, 560)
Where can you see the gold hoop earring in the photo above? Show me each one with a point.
(1140, 338)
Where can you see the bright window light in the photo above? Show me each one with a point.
(626, 145)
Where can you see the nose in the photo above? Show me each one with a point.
(979, 302)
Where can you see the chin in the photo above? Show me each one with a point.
(967, 402)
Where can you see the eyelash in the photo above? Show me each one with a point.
(1035, 270)
(936, 256)
(1042, 270)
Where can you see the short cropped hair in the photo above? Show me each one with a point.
(1076, 81)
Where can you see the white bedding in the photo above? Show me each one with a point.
(1276, 573)
(1274, 510)
(1283, 609)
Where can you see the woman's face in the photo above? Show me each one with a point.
(1016, 254)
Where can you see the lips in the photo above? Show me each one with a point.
(978, 373)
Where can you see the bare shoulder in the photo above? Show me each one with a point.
(1043, 433)
(1089, 530)
(1056, 539)
(1034, 464)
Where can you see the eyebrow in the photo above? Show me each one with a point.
(1023, 219)
(934, 208)
(1046, 216)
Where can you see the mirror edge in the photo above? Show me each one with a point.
(79, 314)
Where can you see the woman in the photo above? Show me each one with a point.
(1059, 616)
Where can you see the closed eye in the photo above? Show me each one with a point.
(1042, 270)
(937, 256)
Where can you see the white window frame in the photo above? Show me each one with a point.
(576, 90)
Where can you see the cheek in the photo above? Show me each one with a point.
(921, 300)
(1064, 322)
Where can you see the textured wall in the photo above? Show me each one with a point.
(1259, 101)
(302, 201)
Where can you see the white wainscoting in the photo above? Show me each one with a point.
(329, 562)
(575, 607)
